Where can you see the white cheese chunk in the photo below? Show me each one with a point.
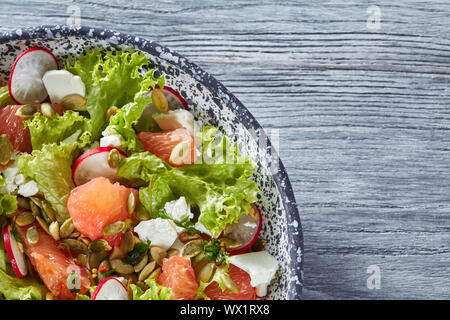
(178, 209)
(161, 232)
(110, 141)
(28, 189)
(175, 119)
(261, 267)
(61, 83)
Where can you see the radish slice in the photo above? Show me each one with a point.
(246, 231)
(93, 164)
(25, 81)
(110, 289)
(16, 257)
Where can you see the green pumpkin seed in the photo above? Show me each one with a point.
(32, 235)
(6, 149)
(96, 258)
(230, 243)
(111, 111)
(121, 267)
(25, 218)
(26, 111)
(155, 274)
(82, 259)
(75, 235)
(173, 252)
(113, 228)
(146, 271)
(160, 101)
(141, 264)
(35, 209)
(75, 245)
(192, 248)
(186, 237)
(206, 272)
(54, 230)
(21, 248)
(131, 204)
(47, 110)
(158, 254)
(99, 245)
(37, 201)
(74, 102)
(66, 228)
(114, 158)
(229, 284)
(48, 210)
(141, 213)
(43, 224)
(127, 243)
(23, 203)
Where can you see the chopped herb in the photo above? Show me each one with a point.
(108, 272)
(134, 256)
(186, 223)
(215, 251)
(16, 236)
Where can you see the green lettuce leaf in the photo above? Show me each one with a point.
(155, 196)
(8, 204)
(154, 292)
(112, 79)
(5, 98)
(44, 130)
(13, 288)
(51, 168)
(141, 166)
(222, 278)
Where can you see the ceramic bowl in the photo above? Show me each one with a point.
(212, 104)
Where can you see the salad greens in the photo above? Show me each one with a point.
(8, 202)
(154, 292)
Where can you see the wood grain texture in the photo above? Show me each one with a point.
(363, 116)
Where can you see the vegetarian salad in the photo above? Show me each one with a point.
(111, 190)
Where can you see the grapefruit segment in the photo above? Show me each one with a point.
(242, 281)
(96, 204)
(179, 276)
(13, 127)
(163, 144)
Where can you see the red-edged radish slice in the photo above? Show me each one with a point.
(16, 257)
(174, 99)
(246, 231)
(25, 81)
(93, 164)
(110, 289)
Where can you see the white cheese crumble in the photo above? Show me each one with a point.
(178, 209)
(161, 232)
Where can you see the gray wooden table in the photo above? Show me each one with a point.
(360, 94)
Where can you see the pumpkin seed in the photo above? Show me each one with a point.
(85, 240)
(192, 248)
(131, 204)
(26, 111)
(129, 225)
(158, 254)
(54, 230)
(66, 228)
(48, 210)
(37, 201)
(6, 149)
(114, 158)
(141, 213)
(82, 259)
(25, 218)
(76, 245)
(145, 272)
(99, 245)
(206, 272)
(186, 237)
(95, 258)
(155, 274)
(35, 209)
(230, 243)
(117, 253)
(32, 235)
(110, 112)
(160, 101)
(23, 203)
(43, 224)
(127, 243)
(47, 110)
(229, 284)
(20, 246)
(75, 235)
(254, 213)
(173, 252)
(74, 102)
(113, 228)
(49, 296)
(121, 267)
(141, 264)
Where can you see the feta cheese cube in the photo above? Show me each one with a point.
(110, 141)
(61, 83)
(261, 267)
(161, 232)
(28, 189)
(178, 209)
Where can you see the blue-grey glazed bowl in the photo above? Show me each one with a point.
(212, 104)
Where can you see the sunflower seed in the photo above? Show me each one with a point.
(145, 272)
(47, 110)
(160, 101)
(54, 230)
(192, 248)
(6, 149)
(25, 218)
(32, 235)
(66, 228)
(158, 254)
(113, 228)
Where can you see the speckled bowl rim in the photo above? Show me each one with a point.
(281, 178)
